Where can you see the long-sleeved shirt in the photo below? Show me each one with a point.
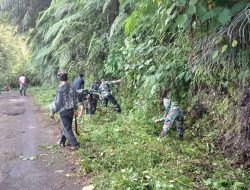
(169, 105)
(66, 98)
(104, 88)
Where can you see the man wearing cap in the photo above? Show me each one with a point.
(66, 105)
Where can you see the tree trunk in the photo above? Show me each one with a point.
(113, 11)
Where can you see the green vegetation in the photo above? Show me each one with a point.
(23, 13)
(13, 55)
(124, 152)
(197, 49)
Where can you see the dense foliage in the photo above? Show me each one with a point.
(151, 43)
(23, 13)
(13, 55)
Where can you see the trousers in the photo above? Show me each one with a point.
(66, 118)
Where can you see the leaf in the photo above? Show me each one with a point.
(234, 43)
(152, 69)
(208, 182)
(208, 15)
(170, 9)
(215, 54)
(193, 2)
(153, 89)
(106, 5)
(148, 61)
(181, 20)
(239, 185)
(181, 75)
(69, 175)
(201, 10)
(59, 171)
(181, 2)
(90, 187)
(191, 9)
(167, 20)
(225, 16)
(238, 7)
(224, 48)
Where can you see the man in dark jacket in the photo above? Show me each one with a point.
(79, 82)
(81, 93)
(66, 105)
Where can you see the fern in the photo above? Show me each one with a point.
(131, 23)
(64, 9)
(24, 12)
(225, 16)
(117, 26)
(208, 15)
(60, 25)
(238, 7)
(106, 5)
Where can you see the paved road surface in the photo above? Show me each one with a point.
(29, 158)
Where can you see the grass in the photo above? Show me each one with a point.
(124, 152)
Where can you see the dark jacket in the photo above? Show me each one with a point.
(79, 83)
(66, 98)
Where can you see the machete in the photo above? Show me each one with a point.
(76, 126)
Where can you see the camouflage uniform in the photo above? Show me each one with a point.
(83, 97)
(173, 114)
(93, 98)
(106, 95)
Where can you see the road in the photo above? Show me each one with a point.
(29, 156)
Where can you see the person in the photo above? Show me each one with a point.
(173, 115)
(66, 105)
(83, 97)
(106, 94)
(23, 83)
(93, 97)
(79, 86)
(7, 87)
(89, 98)
(79, 82)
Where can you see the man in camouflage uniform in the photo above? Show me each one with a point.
(66, 105)
(84, 100)
(173, 114)
(94, 96)
(106, 95)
